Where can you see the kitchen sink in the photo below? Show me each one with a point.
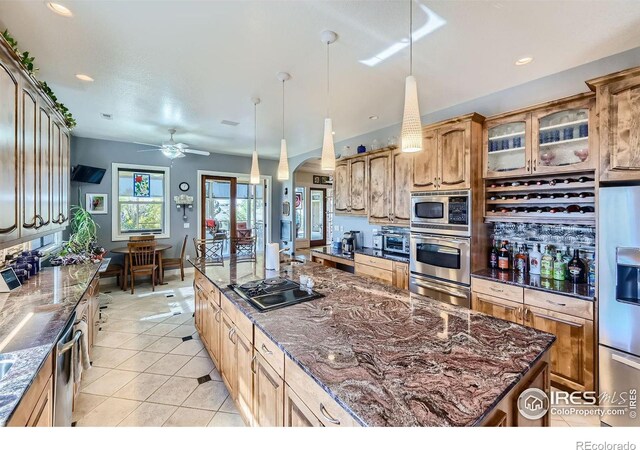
(5, 366)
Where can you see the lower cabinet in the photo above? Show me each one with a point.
(296, 413)
(268, 394)
(36, 407)
(228, 356)
(395, 273)
(497, 307)
(245, 377)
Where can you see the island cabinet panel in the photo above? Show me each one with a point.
(244, 385)
(454, 142)
(268, 395)
(618, 104)
(425, 163)
(9, 178)
(497, 307)
(296, 413)
(36, 406)
(228, 356)
(380, 187)
(572, 355)
(214, 332)
(402, 184)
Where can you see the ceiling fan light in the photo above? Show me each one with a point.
(411, 134)
(328, 151)
(283, 165)
(255, 169)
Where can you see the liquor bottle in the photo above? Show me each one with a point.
(493, 256)
(546, 264)
(586, 194)
(566, 257)
(584, 179)
(587, 209)
(525, 253)
(520, 261)
(534, 260)
(591, 278)
(557, 209)
(511, 255)
(559, 267)
(577, 269)
(503, 257)
(573, 208)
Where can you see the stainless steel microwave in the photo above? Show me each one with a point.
(441, 212)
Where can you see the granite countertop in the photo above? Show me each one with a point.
(388, 357)
(330, 251)
(31, 320)
(581, 291)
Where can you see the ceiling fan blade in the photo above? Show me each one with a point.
(149, 150)
(150, 145)
(196, 152)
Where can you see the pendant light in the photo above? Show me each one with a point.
(283, 165)
(411, 134)
(255, 168)
(328, 161)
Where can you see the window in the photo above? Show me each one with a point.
(140, 195)
(300, 213)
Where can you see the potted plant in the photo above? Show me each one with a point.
(82, 246)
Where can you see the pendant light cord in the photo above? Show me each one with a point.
(255, 127)
(410, 37)
(282, 109)
(328, 98)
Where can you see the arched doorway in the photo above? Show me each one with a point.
(312, 205)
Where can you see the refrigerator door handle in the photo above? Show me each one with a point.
(625, 361)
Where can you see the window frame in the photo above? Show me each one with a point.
(115, 200)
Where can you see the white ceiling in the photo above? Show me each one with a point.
(192, 64)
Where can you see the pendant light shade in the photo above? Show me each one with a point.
(283, 165)
(254, 178)
(328, 151)
(328, 161)
(411, 133)
(411, 124)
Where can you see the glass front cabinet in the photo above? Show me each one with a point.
(554, 139)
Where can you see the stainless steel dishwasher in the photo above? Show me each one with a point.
(64, 373)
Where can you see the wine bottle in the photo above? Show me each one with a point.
(552, 195)
(574, 209)
(586, 194)
(541, 195)
(503, 257)
(584, 179)
(577, 268)
(569, 180)
(504, 210)
(587, 209)
(493, 256)
(515, 183)
(541, 182)
(493, 197)
(557, 209)
(543, 209)
(570, 195)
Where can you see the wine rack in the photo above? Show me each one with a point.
(513, 199)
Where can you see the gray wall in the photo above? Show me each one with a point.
(101, 153)
(552, 87)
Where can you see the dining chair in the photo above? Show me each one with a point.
(142, 238)
(210, 251)
(176, 262)
(142, 261)
(244, 248)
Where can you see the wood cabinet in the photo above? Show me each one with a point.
(402, 174)
(572, 356)
(395, 273)
(380, 186)
(36, 406)
(268, 395)
(296, 413)
(228, 358)
(618, 105)
(450, 149)
(244, 397)
(350, 186)
(34, 157)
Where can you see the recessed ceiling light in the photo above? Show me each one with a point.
(230, 123)
(524, 60)
(59, 9)
(106, 116)
(83, 77)
(373, 117)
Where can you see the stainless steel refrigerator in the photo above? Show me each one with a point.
(619, 298)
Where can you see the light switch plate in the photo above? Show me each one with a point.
(186, 225)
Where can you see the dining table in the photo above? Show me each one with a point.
(125, 251)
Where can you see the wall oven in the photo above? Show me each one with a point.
(442, 212)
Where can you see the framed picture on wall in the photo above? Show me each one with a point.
(97, 203)
(322, 179)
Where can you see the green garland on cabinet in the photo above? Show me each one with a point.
(27, 62)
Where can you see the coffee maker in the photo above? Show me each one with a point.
(350, 242)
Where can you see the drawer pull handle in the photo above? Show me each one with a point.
(556, 303)
(253, 360)
(231, 332)
(328, 416)
(496, 289)
(217, 316)
(266, 350)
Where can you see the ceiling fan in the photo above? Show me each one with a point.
(172, 149)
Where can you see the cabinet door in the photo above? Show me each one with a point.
(228, 366)
(572, 355)
(42, 415)
(425, 163)
(507, 146)
(380, 187)
(56, 174)
(268, 394)
(497, 307)
(9, 220)
(296, 413)
(564, 137)
(44, 168)
(213, 338)
(65, 167)
(358, 186)
(402, 182)
(29, 162)
(341, 187)
(454, 150)
(619, 105)
(401, 275)
(244, 396)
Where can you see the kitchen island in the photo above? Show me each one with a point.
(385, 356)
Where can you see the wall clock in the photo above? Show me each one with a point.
(184, 186)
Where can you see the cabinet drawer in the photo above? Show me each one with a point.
(244, 324)
(559, 303)
(228, 308)
(381, 274)
(380, 263)
(315, 398)
(495, 289)
(270, 351)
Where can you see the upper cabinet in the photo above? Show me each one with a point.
(380, 186)
(350, 185)
(618, 105)
(450, 149)
(34, 157)
(555, 137)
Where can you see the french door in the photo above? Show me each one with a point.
(318, 216)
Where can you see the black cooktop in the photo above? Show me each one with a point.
(274, 293)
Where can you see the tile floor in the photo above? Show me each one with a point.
(575, 420)
(147, 362)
